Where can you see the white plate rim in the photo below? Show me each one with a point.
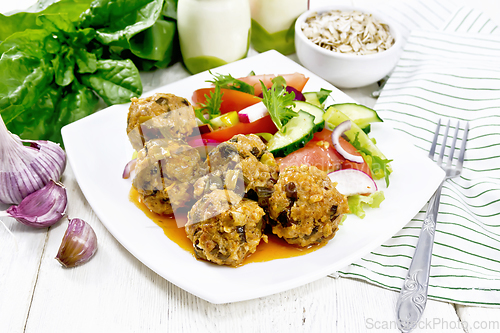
(273, 60)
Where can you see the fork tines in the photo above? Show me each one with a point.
(451, 151)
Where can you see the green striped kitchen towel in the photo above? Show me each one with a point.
(454, 74)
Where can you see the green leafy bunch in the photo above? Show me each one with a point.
(57, 62)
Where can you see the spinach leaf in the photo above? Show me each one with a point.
(156, 42)
(76, 104)
(116, 81)
(10, 24)
(38, 121)
(86, 61)
(55, 22)
(25, 75)
(31, 42)
(169, 9)
(138, 26)
(116, 21)
(64, 66)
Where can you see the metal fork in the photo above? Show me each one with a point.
(413, 296)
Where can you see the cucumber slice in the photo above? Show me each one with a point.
(367, 128)
(312, 97)
(360, 114)
(334, 117)
(317, 112)
(294, 135)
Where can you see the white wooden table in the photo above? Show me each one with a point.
(115, 292)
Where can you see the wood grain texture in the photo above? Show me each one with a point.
(479, 319)
(20, 257)
(115, 292)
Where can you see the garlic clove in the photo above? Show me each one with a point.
(26, 169)
(42, 208)
(79, 244)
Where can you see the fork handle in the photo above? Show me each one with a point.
(413, 296)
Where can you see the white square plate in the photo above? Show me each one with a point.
(98, 149)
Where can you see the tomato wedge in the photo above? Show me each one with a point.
(321, 153)
(314, 153)
(232, 100)
(296, 80)
(326, 135)
(263, 125)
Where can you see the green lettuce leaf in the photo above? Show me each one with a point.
(357, 202)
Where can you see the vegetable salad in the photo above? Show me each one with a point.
(298, 128)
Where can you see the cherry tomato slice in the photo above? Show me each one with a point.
(296, 80)
(263, 125)
(232, 100)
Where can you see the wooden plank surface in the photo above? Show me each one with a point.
(115, 292)
(20, 259)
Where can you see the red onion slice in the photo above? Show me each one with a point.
(336, 134)
(198, 142)
(129, 167)
(298, 95)
(204, 146)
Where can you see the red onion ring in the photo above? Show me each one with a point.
(336, 134)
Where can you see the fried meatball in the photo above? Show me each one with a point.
(160, 116)
(247, 154)
(165, 173)
(224, 227)
(305, 207)
(208, 183)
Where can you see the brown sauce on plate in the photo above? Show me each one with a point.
(275, 248)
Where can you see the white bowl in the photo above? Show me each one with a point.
(347, 70)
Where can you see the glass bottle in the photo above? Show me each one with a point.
(273, 24)
(213, 32)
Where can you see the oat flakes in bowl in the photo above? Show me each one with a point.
(348, 46)
(348, 32)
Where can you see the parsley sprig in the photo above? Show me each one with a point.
(229, 82)
(211, 108)
(278, 101)
(212, 105)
